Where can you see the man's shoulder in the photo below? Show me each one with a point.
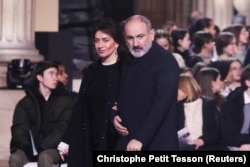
(162, 54)
(25, 101)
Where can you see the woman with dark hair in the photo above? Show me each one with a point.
(91, 128)
(234, 74)
(203, 47)
(209, 79)
(197, 67)
(230, 70)
(226, 45)
(181, 43)
(241, 34)
(205, 24)
(223, 66)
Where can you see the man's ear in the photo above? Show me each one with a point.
(39, 78)
(152, 34)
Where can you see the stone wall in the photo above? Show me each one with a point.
(8, 101)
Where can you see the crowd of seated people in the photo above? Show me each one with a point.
(216, 62)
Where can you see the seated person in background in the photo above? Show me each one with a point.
(63, 78)
(197, 114)
(226, 45)
(236, 116)
(62, 74)
(210, 81)
(241, 34)
(40, 120)
(197, 67)
(202, 47)
(230, 70)
(181, 44)
(235, 71)
(162, 38)
(169, 26)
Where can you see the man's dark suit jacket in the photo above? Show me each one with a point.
(147, 100)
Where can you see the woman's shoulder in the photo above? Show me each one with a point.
(208, 99)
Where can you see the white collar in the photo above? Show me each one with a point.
(246, 98)
(109, 63)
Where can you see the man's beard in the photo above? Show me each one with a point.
(138, 51)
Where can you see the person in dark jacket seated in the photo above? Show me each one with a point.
(236, 116)
(40, 120)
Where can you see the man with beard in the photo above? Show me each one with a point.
(146, 116)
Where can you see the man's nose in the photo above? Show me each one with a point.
(135, 42)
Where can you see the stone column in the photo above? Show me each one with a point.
(220, 11)
(242, 7)
(16, 33)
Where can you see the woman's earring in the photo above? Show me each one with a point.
(116, 50)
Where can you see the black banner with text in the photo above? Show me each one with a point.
(163, 158)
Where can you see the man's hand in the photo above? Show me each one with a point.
(63, 153)
(244, 147)
(197, 142)
(134, 145)
(63, 149)
(118, 126)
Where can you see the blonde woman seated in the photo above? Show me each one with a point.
(198, 129)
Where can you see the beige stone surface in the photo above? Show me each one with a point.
(4, 163)
(8, 101)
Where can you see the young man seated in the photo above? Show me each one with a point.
(40, 119)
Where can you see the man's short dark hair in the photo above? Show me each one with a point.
(44, 65)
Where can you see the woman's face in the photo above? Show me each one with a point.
(217, 84)
(185, 42)
(105, 44)
(243, 37)
(62, 75)
(231, 48)
(181, 95)
(163, 42)
(235, 71)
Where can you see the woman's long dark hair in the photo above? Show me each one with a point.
(112, 28)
